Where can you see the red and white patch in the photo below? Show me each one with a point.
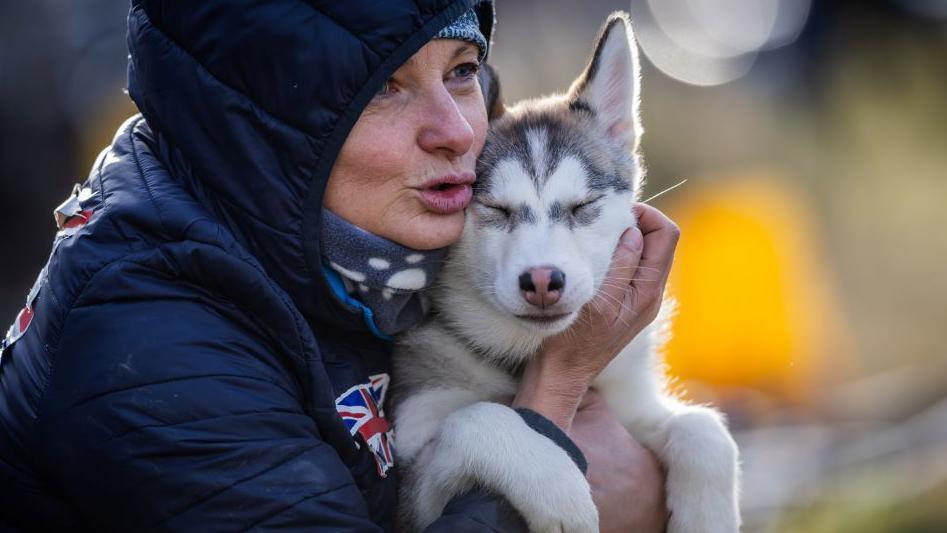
(25, 317)
(70, 216)
(22, 322)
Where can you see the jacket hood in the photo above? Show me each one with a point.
(250, 104)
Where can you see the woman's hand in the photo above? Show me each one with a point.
(555, 381)
(627, 480)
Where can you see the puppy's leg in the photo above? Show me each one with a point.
(418, 420)
(702, 480)
(701, 459)
(691, 441)
(489, 445)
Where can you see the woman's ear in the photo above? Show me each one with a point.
(610, 85)
(490, 85)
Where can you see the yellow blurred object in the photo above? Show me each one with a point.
(755, 307)
(97, 135)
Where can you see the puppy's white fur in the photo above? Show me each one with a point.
(455, 375)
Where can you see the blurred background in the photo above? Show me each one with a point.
(811, 293)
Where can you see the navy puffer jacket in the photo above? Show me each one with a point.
(182, 362)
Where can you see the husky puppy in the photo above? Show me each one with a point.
(555, 185)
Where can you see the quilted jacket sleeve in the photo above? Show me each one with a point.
(478, 511)
(164, 415)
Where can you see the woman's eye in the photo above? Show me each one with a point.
(466, 70)
(386, 89)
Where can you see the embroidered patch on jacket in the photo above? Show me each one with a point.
(25, 317)
(70, 217)
(360, 408)
(23, 320)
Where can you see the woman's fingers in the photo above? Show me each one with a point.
(624, 264)
(640, 266)
(660, 235)
(660, 239)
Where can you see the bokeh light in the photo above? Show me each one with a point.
(927, 8)
(711, 42)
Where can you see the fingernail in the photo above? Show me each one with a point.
(632, 239)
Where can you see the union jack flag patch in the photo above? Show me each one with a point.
(360, 408)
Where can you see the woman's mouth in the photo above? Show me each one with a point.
(447, 195)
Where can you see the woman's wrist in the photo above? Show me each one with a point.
(551, 391)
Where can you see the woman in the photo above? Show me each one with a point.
(186, 354)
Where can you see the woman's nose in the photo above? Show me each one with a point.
(445, 129)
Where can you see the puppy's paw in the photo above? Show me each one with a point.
(702, 479)
(490, 445)
(561, 505)
(702, 520)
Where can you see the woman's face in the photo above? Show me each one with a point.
(406, 169)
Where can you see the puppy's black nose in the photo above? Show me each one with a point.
(557, 280)
(542, 286)
(526, 282)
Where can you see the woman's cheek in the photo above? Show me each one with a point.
(475, 113)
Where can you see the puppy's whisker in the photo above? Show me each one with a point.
(642, 267)
(619, 282)
(598, 311)
(669, 189)
(610, 297)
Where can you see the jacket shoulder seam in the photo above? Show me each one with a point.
(144, 177)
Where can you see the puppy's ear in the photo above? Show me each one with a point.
(490, 85)
(610, 86)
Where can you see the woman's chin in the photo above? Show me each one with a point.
(430, 231)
